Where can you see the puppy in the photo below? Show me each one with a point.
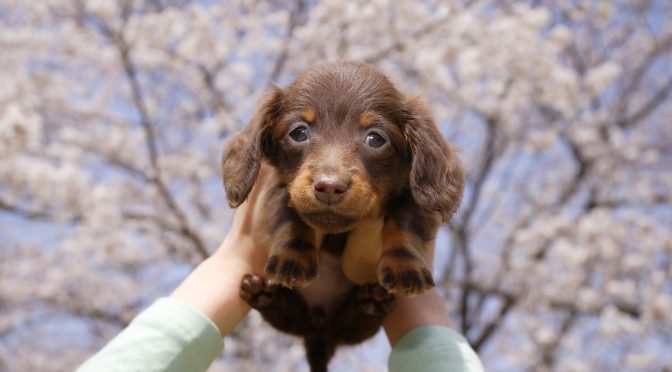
(340, 163)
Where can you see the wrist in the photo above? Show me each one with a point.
(413, 312)
(213, 289)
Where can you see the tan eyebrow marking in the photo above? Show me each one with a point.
(366, 119)
(308, 115)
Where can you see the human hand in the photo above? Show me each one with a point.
(213, 287)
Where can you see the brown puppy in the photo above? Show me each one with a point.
(338, 149)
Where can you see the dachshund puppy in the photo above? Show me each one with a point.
(336, 152)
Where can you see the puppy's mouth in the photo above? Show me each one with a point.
(329, 221)
(333, 215)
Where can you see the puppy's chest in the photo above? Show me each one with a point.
(331, 285)
(345, 260)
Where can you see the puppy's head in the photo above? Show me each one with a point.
(344, 141)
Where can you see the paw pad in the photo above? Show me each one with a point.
(405, 276)
(291, 271)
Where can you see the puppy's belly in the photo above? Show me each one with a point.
(330, 287)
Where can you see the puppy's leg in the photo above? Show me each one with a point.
(293, 256)
(363, 312)
(407, 235)
(283, 308)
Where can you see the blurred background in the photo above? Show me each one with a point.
(113, 115)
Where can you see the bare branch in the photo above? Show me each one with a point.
(399, 44)
(487, 165)
(509, 301)
(26, 213)
(37, 215)
(495, 323)
(569, 192)
(298, 9)
(150, 139)
(462, 234)
(658, 98)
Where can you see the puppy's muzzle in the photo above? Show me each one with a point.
(330, 190)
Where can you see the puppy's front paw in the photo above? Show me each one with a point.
(292, 270)
(402, 271)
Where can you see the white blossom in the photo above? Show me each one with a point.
(113, 116)
(599, 77)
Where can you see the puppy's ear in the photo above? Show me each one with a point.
(437, 176)
(243, 154)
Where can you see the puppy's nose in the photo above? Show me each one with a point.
(330, 190)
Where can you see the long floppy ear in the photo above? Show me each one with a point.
(243, 154)
(437, 176)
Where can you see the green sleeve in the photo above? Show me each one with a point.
(168, 336)
(433, 349)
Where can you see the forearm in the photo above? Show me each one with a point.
(168, 336)
(213, 287)
(420, 332)
(184, 332)
(413, 312)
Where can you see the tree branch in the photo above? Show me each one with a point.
(462, 236)
(131, 74)
(36, 215)
(571, 190)
(151, 142)
(294, 17)
(399, 44)
(489, 329)
(647, 108)
(26, 213)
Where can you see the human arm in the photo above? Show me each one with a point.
(213, 287)
(184, 331)
(420, 332)
(413, 312)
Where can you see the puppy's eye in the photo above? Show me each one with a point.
(299, 134)
(374, 139)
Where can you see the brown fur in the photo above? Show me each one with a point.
(412, 182)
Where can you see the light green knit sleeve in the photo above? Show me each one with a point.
(168, 336)
(433, 349)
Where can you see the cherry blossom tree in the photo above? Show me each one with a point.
(113, 115)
